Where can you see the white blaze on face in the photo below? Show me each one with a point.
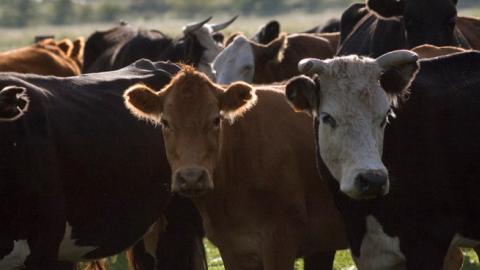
(235, 63)
(69, 250)
(16, 258)
(351, 115)
(379, 251)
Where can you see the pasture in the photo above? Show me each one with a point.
(14, 37)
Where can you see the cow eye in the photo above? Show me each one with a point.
(165, 123)
(216, 121)
(329, 120)
(247, 69)
(386, 119)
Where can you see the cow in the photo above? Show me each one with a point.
(423, 158)
(271, 30)
(380, 26)
(43, 58)
(429, 51)
(245, 60)
(78, 182)
(197, 46)
(259, 207)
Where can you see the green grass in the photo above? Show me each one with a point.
(343, 259)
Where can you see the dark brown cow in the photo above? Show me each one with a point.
(43, 58)
(245, 60)
(260, 206)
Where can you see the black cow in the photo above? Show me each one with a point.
(430, 151)
(124, 44)
(80, 179)
(380, 26)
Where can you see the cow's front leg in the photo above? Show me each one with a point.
(280, 250)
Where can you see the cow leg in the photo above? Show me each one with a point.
(319, 261)
(454, 259)
(425, 256)
(280, 250)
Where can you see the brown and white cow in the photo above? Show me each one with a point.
(432, 202)
(248, 61)
(248, 163)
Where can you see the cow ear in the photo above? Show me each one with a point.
(236, 100)
(397, 79)
(14, 103)
(302, 94)
(275, 50)
(268, 32)
(66, 45)
(78, 48)
(387, 8)
(144, 103)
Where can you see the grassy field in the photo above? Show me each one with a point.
(290, 22)
(343, 260)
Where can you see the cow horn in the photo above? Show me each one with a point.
(195, 26)
(220, 26)
(395, 58)
(309, 65)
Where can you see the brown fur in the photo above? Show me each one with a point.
(268, 204)
(43, 58)
(278, 60)
(470, 28)
(429, 51)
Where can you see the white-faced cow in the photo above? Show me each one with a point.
(380, 26)
(124, 44)
(252, 177)
(425, 158)
(248, 61)
(79, 179)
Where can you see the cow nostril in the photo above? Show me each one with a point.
(362, 183)
(371, 183)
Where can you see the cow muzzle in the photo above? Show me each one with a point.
(371, 184)
(192, 182)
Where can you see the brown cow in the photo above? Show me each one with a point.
(245, 60)
(429, 51)
(261, 199)
(43, 58)
(470, 29)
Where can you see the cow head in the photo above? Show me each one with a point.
(426, 21)
(351, 99)
(191, 110)
(202, 42)
(243, 60)
(13, 103)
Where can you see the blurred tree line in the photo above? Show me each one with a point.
(20, 13)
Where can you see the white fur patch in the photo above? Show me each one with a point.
(16, 258)
(69, 250)
(378, 250)
(235, 63)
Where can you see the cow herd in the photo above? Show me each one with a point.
(360, 134)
